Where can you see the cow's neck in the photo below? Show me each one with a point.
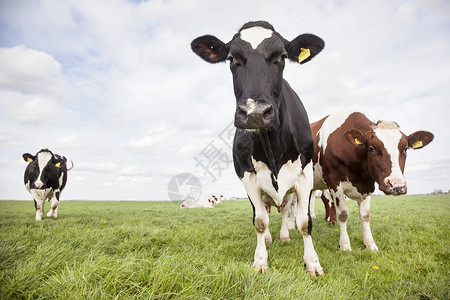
(274, 143)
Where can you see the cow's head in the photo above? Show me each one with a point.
(386, 148)
(43, 169)
(257, 56)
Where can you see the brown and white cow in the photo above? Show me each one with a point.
(351, 153)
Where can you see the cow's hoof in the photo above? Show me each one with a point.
(313, 273)
(260, 266)
(314, 268)
(372, 247)
(51, 215)
(345, 247)
(285, 239)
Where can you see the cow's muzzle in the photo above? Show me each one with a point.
(38, 184)
(254, 115)
(395, 186)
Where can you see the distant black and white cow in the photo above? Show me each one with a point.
(273, 147)
(45, 178)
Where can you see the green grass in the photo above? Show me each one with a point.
(154, 250)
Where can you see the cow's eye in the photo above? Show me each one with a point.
(280, 58)
(371, 149)
(230, 58)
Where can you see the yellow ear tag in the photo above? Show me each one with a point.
(304, 54)
(29, 159)
(358, 141)
(58, 165)
(417, 144)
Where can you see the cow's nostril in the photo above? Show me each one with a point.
(242, 110)
(388, 183)
(268, 113)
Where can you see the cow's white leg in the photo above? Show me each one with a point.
(261, 221)
(342, 216)
(267, 235)
(311, 205)
(286, 217)
(364, 215)
(53, 212)
(39, 202)
(304, 188)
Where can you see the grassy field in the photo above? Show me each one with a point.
(154, 250)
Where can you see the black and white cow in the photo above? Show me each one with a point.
(45, 177)
(273, 147)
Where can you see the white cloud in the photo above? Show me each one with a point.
(29, 71)
(37, 111)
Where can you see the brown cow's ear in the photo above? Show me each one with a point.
(355, 137)
(210, 48)
(304, 47)
(28, 157)
(420, 139)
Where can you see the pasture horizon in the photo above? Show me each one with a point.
(143, 250)
(233, 198)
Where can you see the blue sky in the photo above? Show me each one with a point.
(114, 86)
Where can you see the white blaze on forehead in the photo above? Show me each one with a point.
(43, 159)
(390, 135)
(255, 35)
(330, 125)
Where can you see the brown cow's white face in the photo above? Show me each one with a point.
(386, 148)
(387, 157)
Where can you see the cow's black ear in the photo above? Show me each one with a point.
(210, 48)
(58, 161)
(28, 157)
(304, 47)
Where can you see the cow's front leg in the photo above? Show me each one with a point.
(342, 216)
(261, 222)
(38, 204)
(53, 212)
(304, 223)
(364, 216)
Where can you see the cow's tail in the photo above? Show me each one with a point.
(71, 166)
